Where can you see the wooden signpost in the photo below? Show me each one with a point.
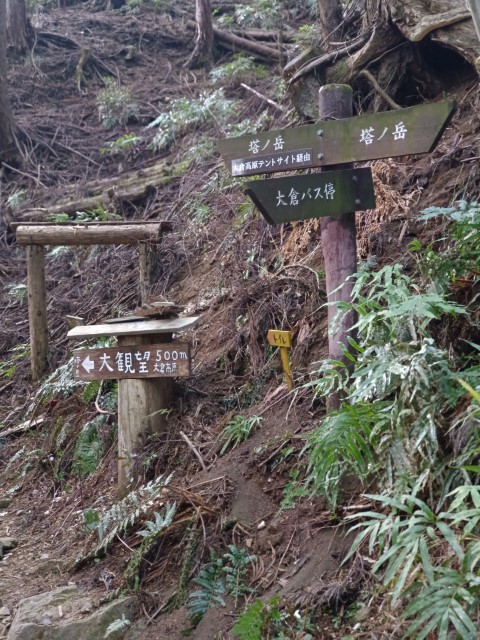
(310, 196)
(154, 361)
(144, 363)
(369, 137)
(334, 194)
(282, 340)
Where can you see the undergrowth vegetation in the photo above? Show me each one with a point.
(409, 426)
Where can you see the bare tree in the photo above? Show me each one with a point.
(202, 55)
(8, 148)
(19, 29)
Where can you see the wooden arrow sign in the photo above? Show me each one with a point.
(368, 137)
(165, 360)
(330, 193)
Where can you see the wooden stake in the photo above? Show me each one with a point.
(339, 241)
(37, 310)
(142, 403)
(146, 259)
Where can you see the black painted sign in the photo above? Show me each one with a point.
(330, 193)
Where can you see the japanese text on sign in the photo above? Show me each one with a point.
(368, 136)
(279, 338)
(145, 361)
(281, 161)
(294, 197)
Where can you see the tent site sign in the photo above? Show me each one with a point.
(300, 197)
(137, 361)
(369, 137)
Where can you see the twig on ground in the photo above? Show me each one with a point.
(194, 450)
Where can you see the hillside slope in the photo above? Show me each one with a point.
(221, 262)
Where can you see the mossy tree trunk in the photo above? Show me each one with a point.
(8, 147)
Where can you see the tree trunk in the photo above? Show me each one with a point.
(18, 25)
(202, 55)
(8, 148)
(330, 18)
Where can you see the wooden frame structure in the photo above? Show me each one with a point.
(35, 236)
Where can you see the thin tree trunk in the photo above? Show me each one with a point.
(18, 25)
(8, 148)
(202, 55)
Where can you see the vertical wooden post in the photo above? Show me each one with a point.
(339, 240)
(141, 405)
(145, 258)
(37, 310)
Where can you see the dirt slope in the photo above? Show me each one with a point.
(223, 263)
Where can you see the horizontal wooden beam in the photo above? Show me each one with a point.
(87, 233)
(142, 327)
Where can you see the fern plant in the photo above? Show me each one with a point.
(117, 625)
(212, 588)
(154, 529)
(88, 447)
(123, 515)
(223, 575)
(187, 115)
(240, 69)
(116, 105)
(237, 561)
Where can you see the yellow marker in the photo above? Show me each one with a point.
(282, 340)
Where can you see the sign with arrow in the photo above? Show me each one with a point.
(138, 361)
(368, 137)
(330, 193)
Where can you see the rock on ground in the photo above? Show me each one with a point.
(57, 615)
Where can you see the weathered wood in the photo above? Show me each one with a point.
(235, 43)
(143, 327)
(146, 263)
(85, 234)
(368, 137)
(37, 310)
(130, 187)
(142, 408)
(330, 193)
(117, 363)
(339, 245)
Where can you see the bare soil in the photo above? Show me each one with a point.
(208, 268)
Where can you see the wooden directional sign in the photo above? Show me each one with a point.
(330, 193)
(368, 137)
(165, 360)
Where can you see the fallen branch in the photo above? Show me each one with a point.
(194, 450)
(259, 95)
(21, 428)
(379, 89)
(129, 187)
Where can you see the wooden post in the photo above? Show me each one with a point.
(146, 260)
(339, 240)
(141, 412)
(37, 310)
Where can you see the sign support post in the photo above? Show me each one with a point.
(339, 240)
(144, 363)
